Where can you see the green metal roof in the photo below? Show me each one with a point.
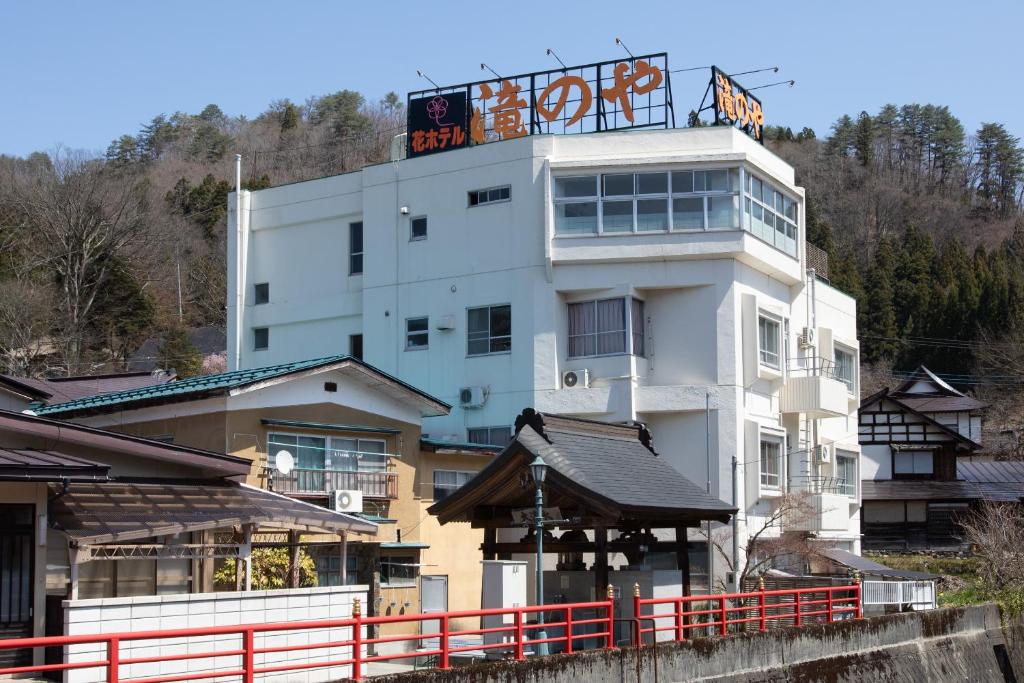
(462, 445)
(407, 546)
(207, 385)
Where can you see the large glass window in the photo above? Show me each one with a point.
(355, 248)
(768, 341)
(489, 330)
(771, 215)
(771, 461)
(447, 482)
(398, 570)
(308, 452)
(846, 473)
(846, 368)
(607, 326)
(357, 455)
(490, 436)
(640, 202)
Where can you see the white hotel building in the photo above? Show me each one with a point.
(665, 269)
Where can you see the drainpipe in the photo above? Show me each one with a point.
(239, 317)
(707, 456)
(735, 526)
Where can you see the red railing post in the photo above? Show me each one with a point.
(638, 630)
(357, 640)
(611, 616)
(249, 658)
(723, 615)
(796, 608)
(113, 660)
(858, 612)
(568, 630)
(762, 615)
(680, 631)
(444, 642)
(519, 634)
(828, 591)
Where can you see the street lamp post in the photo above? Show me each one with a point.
(539, 470)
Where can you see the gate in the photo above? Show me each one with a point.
(16, 569)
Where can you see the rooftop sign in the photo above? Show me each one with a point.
(617, 95)
(735, 106)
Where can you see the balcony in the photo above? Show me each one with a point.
(828, 512)
(813, 389)
(304, 481)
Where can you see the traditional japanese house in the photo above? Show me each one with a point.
(915, 483)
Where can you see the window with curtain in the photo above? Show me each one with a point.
(606, 327)
(489, 436)
(768, 339)
(913, 464)
(771, 461)
(358, 455)
(448, 481)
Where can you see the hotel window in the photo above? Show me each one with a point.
(355, 346)
(417, 333)
(768, 341)
(644, 202)
(418, 228)
(260, 338)
(355, 248)
(490, 436)
(771, 215)
(771, 461)
(491, 195)
(846, 473)
(606, 327)
(447, 482)
(846, 371)
(489, 330)
(261, 293)
(913, 465)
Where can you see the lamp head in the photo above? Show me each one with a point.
(538, 470)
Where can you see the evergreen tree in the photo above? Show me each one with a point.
(177, 352)
(1000, 162)
(864, 139)
(842, 139)
(914, 262)
(877, 317)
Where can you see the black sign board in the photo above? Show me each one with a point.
(734, 105)
(621, 94)
(437, 123)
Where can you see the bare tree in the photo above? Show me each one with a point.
(26, 314)
(775, 538)
(996, 532)
(80, 216)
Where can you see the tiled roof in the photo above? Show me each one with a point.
(210, 385)
(940, 404)
(998, 481)
(61, 389)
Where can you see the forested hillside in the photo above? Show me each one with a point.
(100, 251)
(922, 221)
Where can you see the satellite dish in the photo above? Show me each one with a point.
(284, 462)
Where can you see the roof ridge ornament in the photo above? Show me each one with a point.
(535, 420)
(645, 436)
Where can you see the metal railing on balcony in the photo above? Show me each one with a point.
(811, 366)
(814, 484)
(311, 481)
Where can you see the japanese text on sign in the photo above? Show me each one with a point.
(614, 95)
(734, 105)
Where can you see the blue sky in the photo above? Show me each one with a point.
(83, 73)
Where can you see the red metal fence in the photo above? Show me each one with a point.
(725, 613)
(517, 634)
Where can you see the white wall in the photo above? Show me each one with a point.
(148, 613)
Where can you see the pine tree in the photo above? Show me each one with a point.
(177, 352)
(877, 317)
(864, 139)
(842, 139)
(1000, 166)
(914, 262)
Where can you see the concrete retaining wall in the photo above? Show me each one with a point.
(965, 644)
(198, 610)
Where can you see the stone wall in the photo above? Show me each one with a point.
(967, 644)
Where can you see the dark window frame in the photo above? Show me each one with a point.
(256, 331)
(261, 293)
(355, 248)
(425, 333)
(489, 195)
(496, 343)
(413, 237)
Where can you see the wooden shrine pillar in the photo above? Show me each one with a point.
(600, 562)
(683, 557)
(490, 539)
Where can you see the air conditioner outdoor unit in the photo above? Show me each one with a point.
(572, 379)
(472, 397)
(348, 501)
(824, 453)
(807, 337)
